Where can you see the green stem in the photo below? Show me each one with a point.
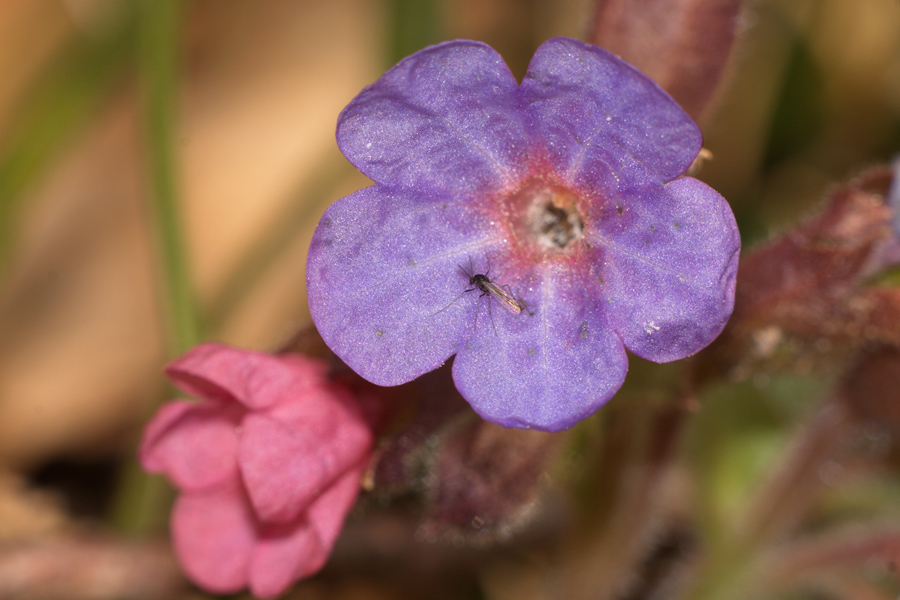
(157, 57)
(143, 500)
(413, 24)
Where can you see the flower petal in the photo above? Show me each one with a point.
(284, 555)
(328, 512)
(545, 371)
(445, 118)
(671, 267)
(194, 444)
(382, 278)
(593, 109)
(289, 458)
(293, 551)
(255, 379)
(213, 534)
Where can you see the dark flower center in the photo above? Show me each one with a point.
(551, 214)
(558, 226)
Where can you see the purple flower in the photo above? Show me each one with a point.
(566, 189)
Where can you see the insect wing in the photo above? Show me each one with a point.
(502, 296)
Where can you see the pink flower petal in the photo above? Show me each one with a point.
(286, 466)
(195, 444)
(214, 534)
(291, 552)
(254, 379)
(286, 554)
(328, 512)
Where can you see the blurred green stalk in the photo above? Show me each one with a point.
(143, 500)
(413, 25)
(157, 62)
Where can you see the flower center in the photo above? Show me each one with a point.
(556, 227)
(550, 212)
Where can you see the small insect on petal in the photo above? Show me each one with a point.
(483, 283)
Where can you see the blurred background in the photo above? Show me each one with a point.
(163, 166)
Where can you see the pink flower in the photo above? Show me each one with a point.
(268, 466)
